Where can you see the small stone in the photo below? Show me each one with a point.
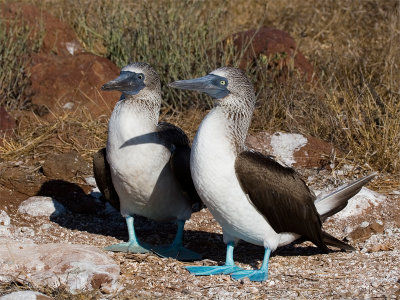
(377, 228)
(45, 226)
(41, 206)
(4, 218)
(380, 247)
(26, 295)
(68, 105)
(375, 284)
(365, 231)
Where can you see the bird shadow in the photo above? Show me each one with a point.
(148, 138)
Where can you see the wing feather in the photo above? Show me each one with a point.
(280, 195)
(102, 175)
(176, 139)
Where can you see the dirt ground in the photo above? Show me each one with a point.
(295, 271)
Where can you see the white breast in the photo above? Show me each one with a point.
(140, 169)
(212, 167)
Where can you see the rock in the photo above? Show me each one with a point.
(363, 233)
(7, 124)
(78, 267)
(26, 295)
(360, 204)
(380, 247)
(73, 196)
(295, 150)
(69, 83)
(65, 166)
(41, 206)
(22, 180)
(4, 218)
(274, 47)
(4, 224)
(58, 37)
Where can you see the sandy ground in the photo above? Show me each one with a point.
(295, 271)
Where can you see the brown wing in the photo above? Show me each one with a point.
(280, 195)
(102, 175)
(176, 139)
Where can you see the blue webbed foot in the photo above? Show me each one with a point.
(129, 247)
(253, 275)
(213, 270)
(176, 251)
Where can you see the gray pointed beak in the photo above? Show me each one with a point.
(198, 84)
(206, 84)
(126, 82)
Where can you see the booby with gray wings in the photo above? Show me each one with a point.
(145, 168)
(254, 198)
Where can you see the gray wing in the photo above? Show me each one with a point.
(280, 195)
(177, 141)
(102, 175)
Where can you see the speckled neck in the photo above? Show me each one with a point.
(238, 113)
(144, 104)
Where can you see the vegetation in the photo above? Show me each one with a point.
(353, 45)
(15, 48)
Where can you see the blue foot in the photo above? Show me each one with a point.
(176, 252)
(212, 270)
(129, 247)
(253, 275)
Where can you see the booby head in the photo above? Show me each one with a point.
(227, 85)
(135, 79)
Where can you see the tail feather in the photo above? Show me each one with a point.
(334, 202)
(332, 241)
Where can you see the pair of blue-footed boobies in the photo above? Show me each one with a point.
(145, 169)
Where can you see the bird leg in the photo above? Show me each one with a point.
(176, 249)
(132, 246)
(255, 275)
(227, 268)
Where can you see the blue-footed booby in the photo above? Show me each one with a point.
(253, 197)
(145, 168)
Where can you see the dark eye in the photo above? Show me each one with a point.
(140, 76)
(222, 82)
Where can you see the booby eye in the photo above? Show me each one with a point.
(222, 82)
(140, 76)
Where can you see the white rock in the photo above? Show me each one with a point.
(25, 295)
(360, 202)
(68, 105)
(4, 224)
(91, 181)
(4, 218)
(41, 206)
(79, 267)
(285, 144)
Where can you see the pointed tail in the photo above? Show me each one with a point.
(332, 241)
(334, 202)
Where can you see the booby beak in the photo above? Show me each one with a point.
(213, 85)
(127, 82)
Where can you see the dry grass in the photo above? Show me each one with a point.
(15, 47)
(72, 131)
(353, 45)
